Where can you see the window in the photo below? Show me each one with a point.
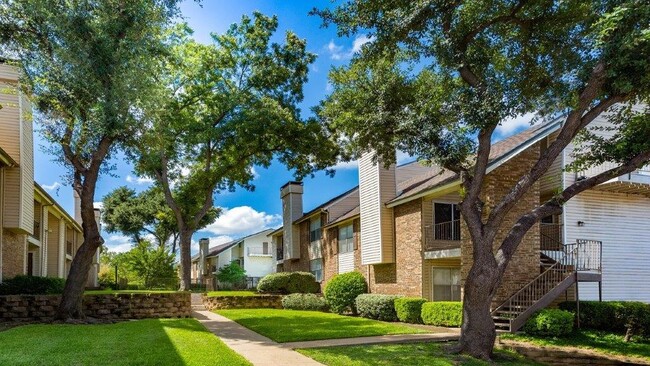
(446, 221)
(265, 248)
(316, 268)
(314, 229)
(346, 239)
(446, 284)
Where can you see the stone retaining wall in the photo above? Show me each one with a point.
(242, 302)
(107, 306)
(567, 356)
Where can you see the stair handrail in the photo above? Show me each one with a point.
(572, 253)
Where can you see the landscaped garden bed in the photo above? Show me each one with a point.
(412, 354)
(141, 342)
(283, 325)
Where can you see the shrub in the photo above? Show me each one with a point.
(375, 306)
(409, 309)
(288, 283)
(231, 276)
(442, 313)
(550, 322)
(31, 285)
(342, 290)
(623, 317)
(304, 302)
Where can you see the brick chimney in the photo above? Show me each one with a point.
(291, 195)
(376, 187)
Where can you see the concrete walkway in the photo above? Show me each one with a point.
(256, 348)
(396, 338)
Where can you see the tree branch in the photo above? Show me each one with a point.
(554, 205)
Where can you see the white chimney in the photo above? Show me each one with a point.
(291, 195)
(376, 187)
(204, 245)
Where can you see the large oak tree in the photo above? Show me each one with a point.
(229, 106)
(88, 67)
(440, 77)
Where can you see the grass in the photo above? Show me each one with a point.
(599, 341)
(411, 354)
(110, 292)
(297, 325)
(232, 293)
(141, 342)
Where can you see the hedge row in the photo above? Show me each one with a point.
(624, 317)
(304, 302)
(32, 285)
(288, 283)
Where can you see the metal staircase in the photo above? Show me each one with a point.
(559, 271)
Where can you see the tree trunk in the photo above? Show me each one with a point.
(478, 332)
(71, 305)
(186, 259)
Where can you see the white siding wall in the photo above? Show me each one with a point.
(552, 180)
(621, 222)
(376, 187)
(258, 266)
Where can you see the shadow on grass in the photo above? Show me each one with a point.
(411, 354)
(600, 341)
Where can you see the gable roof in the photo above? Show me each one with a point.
(501, 152)
(218, 249)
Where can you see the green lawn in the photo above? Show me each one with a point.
(108, 292)
(598, 341)
(141, 342)
(412, 354)
(232, 293)
(297, 325)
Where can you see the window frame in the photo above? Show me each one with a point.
(348, 242)
(454, 295)
(455, 222)
(315, 234)
(317, 272)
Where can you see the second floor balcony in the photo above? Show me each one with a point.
(442, 236)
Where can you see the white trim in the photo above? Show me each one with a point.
(444, 253)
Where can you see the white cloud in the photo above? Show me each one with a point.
(401, 157)
(242, 220)
(52, 187)
(339, 52)
(118, 243)
(514, 124)
(139, 180)
(254, 173)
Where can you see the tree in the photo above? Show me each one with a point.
(137, 214)
(231, 275)
(88, 67)
(440, 76)
(153, 265)
(230, 106)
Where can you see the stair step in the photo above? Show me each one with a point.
(496, 317)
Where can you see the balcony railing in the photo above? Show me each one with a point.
(550, 236)
(279, 253)
(37, 230)
(69, 248)
(258, 251)
(449, 230)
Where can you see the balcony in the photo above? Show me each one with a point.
(442, 240)
(68, 248)
(259, 252)
(637, 182)
(279, 253)
(550, 236)
(37, 230)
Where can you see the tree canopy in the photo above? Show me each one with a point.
(440, 76)
(227, 107)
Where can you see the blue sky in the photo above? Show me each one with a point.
(244, 211)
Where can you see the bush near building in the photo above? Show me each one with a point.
(288, 283)
(409, 309)
(376, 306)
(342, 290)
(32, 285)
(623, 317)
(443, 313)
(550, 322)
(304, 302)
